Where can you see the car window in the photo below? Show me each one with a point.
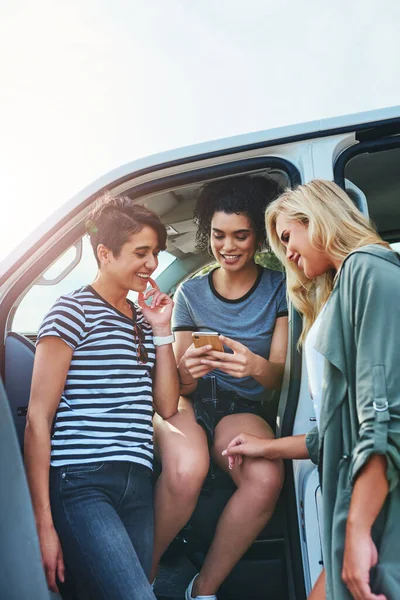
(40, 298)
(377, 175)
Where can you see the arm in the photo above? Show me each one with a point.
(370, 289)
(165, 382)
(369, 494)
(292, 447)
(269, 373)
(186, 355)
(360, 554)
(244, 363)
(52, 360)
(370, 292)
(188, 358)
(165, 378)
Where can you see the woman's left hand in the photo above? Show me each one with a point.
(238, 364)
(159, 312)
(360, 555)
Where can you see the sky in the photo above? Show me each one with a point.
(88, 85)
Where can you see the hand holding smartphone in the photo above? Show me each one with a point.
(207, 338)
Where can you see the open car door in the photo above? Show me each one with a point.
(21, 572)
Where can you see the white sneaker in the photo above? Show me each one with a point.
(188, 593)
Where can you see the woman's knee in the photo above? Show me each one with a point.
(264, 477)
(185, 476)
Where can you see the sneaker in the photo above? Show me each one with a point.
(188, 593)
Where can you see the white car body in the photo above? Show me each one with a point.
(312, 150)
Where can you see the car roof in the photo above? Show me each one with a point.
(147, 165)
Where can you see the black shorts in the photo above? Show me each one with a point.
(211, 403)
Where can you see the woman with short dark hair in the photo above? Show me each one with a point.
(101, 364)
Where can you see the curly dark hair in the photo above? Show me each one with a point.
(248, 194)
(113, 220)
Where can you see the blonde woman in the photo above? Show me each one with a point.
(345, 280)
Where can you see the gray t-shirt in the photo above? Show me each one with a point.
(249, 319)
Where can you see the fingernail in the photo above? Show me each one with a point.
(223, 452)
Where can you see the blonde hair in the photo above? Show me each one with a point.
(335, 226)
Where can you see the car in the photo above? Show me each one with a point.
(362, 154)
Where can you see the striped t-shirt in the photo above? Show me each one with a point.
(105, 411)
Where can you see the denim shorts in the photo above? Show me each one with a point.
(211, 403)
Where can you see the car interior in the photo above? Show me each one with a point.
(272, 567)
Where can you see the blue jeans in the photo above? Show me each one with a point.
(103, 514)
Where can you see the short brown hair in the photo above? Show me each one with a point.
(113, 220)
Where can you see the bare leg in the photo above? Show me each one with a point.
(181, 444)
(258, 482)
(318, 591)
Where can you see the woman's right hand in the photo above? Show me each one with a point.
(52, 556)
(245, 444)
(360, 556)
(190, 366)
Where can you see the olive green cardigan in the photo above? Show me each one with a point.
(360, 412)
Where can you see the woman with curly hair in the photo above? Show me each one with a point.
(222, 393)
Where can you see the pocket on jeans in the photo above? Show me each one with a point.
(83, 468)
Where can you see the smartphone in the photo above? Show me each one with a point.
(207, 338)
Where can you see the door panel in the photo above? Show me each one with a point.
(21, 573)
(20, 353)
(312, 517)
